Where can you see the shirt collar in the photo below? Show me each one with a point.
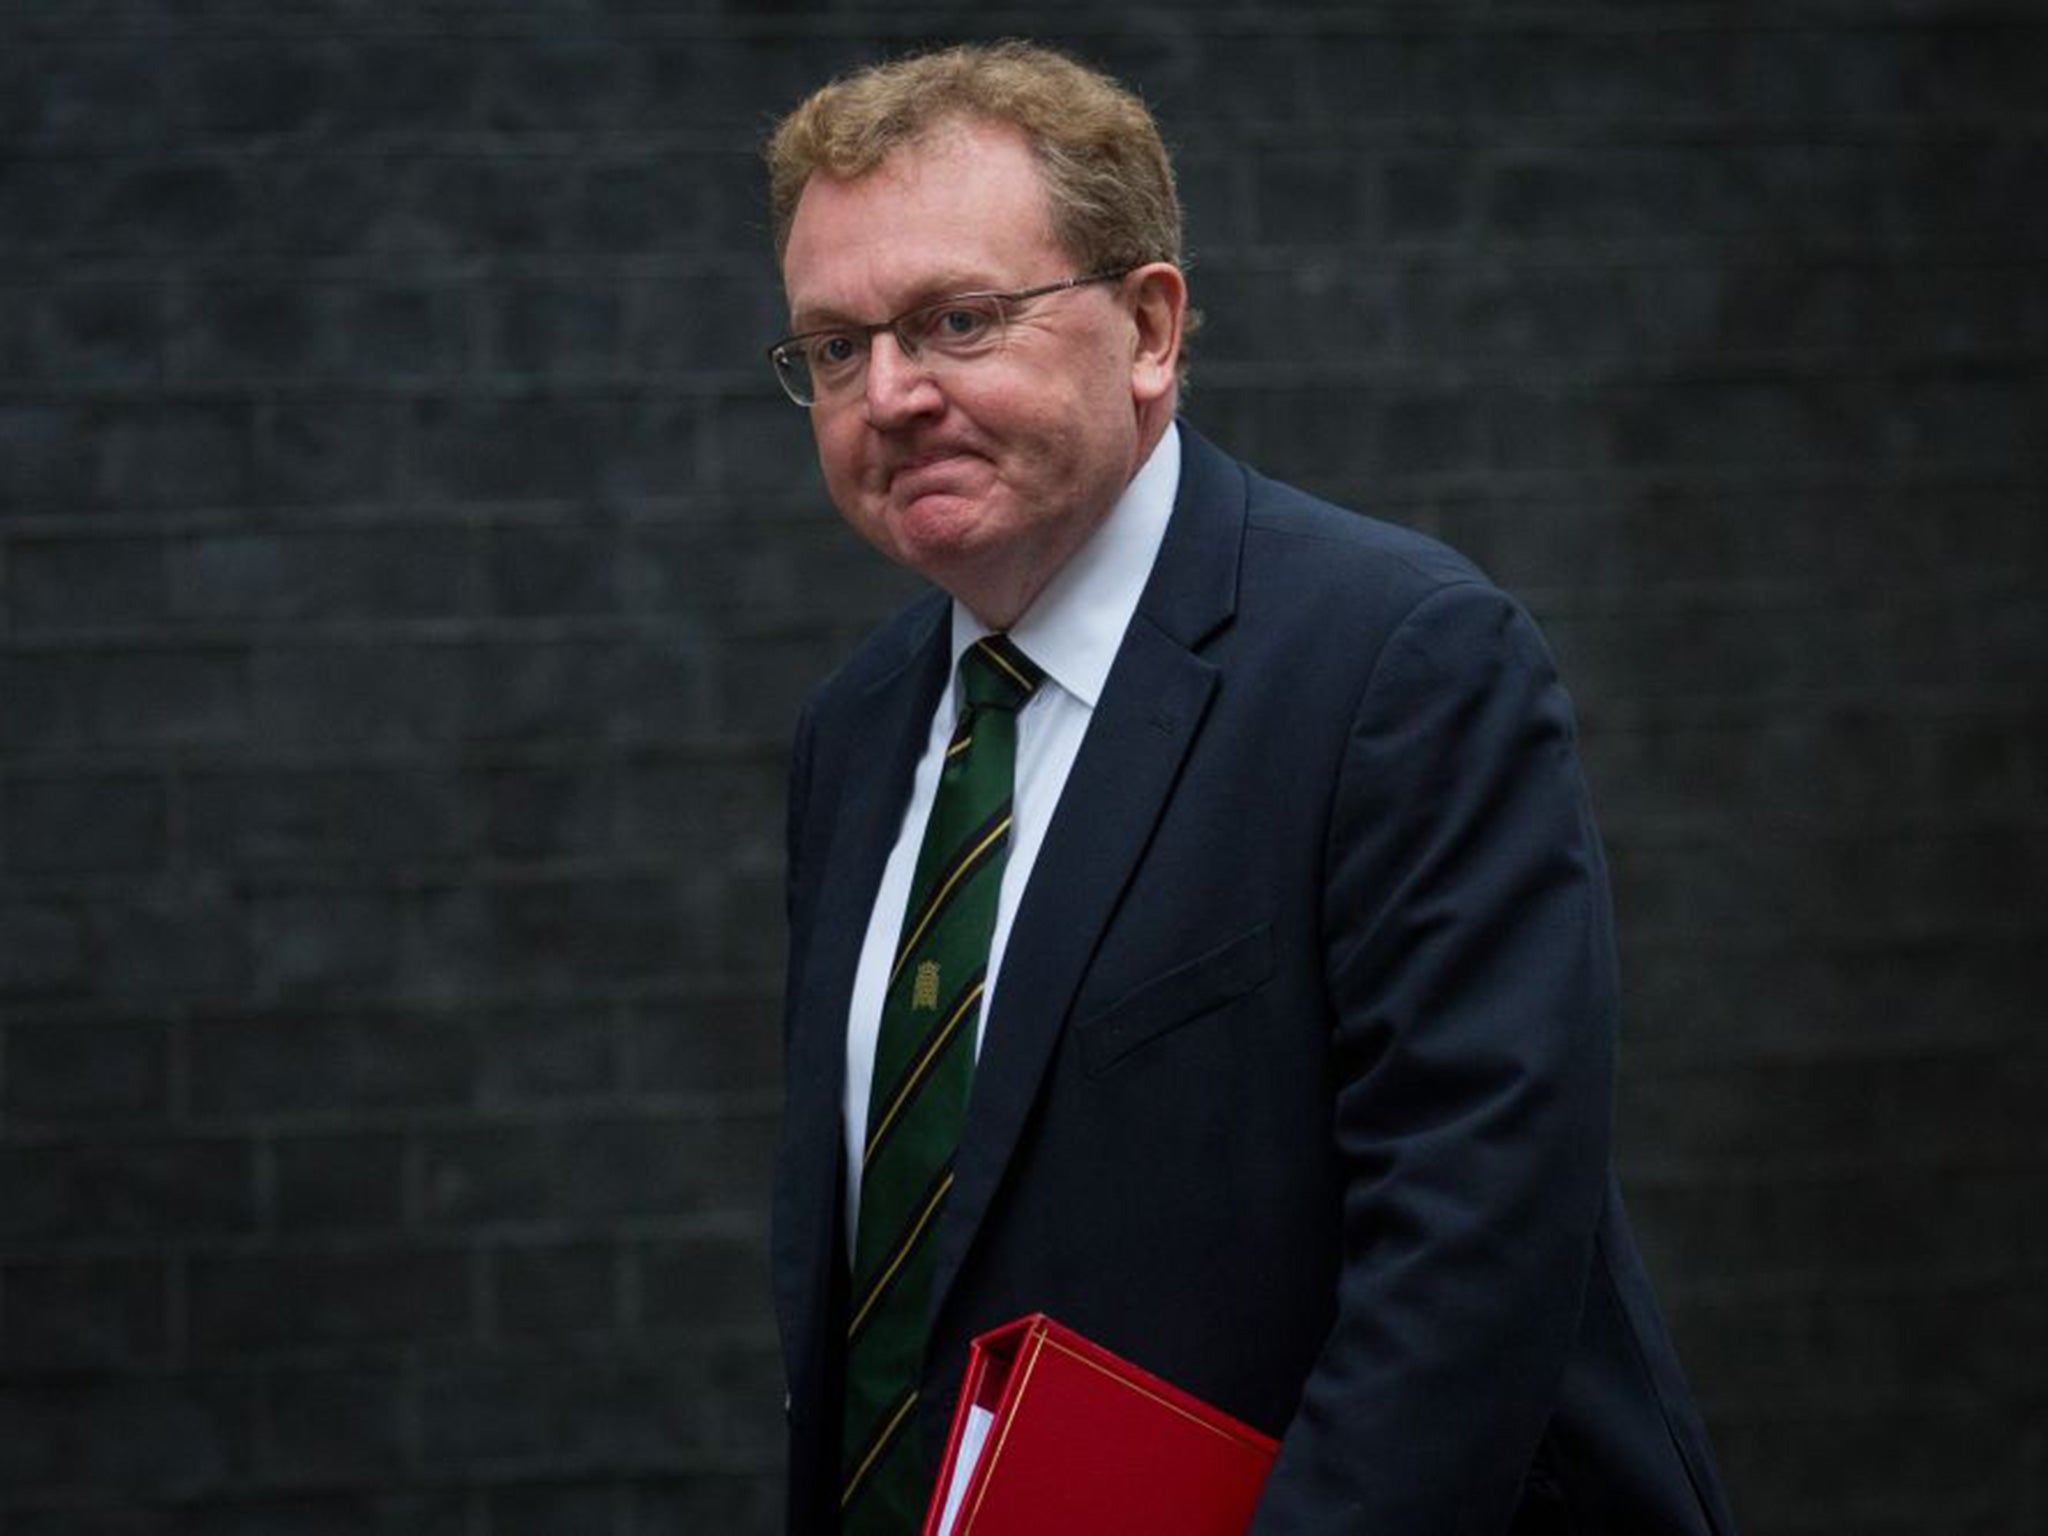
(1077, 623)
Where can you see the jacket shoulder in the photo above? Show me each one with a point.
(1325, 544)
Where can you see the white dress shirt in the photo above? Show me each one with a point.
(1072, 631)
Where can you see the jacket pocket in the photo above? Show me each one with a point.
(1176, 997)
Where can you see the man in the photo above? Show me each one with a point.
(1198, 932)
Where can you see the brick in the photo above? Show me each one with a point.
(104, 1315)
(178, 205)
(585, 1414)
(551, 85)
(1416, 79)
(148, 1438)
(327, 1426)
(384, 695)
(1808, 1348)
(175, 938)
(736, 81)
(272, 820)
(761, 682)
(383, 573)
(725, 1042)
(1823, 887)
(340, 1182)
(100, 1191)
(532, 1510)
(170, 455)
(554, 329)
(1422, 434)
(391, 331)
(660, 205)
(257, 1304)
(86, 1071)
(251, 90)
(1937, 1106)
(106, 332)
(338, 204)
(488, 1173)
(1975, 65)
(1542, 315)
(712, 1501)
(236, 331)
(1309, 198)
(647, 686)
(548, 1053)
(1316, 311)
(1982, 418)
(719, 320)
(1804, 995)
(441, 1513)
(1425, 194)
(663, 449)
(43, 948)
(714, 1288)
(165, 696)
(1966, 185)
(100, 824)
(546, 570)
(763, 445)
(721, 811)
(95, 96)
(44, 452)
(305, 944)
(1727, 310)
(408, 87)
(544, 812)
(659, 1165)
(510, 451)
(557, 1290)
(1879, 1224)
(54, 585)
(45, 201)
(1800, 1464)
(281, 1065)
(325, 451)
(560, 933)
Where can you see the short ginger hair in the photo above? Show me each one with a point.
(1108, 181)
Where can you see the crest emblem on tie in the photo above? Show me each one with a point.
(924, 985)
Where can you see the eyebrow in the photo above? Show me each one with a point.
(928, 292)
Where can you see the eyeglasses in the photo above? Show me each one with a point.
(828, 364)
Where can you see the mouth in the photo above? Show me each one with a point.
(932, 474)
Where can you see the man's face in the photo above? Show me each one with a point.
(984, 476)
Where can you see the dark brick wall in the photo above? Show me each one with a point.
(408, 575)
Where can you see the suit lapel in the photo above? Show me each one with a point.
(891, 715)
(1147, 720)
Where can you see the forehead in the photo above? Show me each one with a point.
(964, 206)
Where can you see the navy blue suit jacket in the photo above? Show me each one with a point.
(1297, 1086)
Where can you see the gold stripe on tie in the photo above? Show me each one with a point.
(994, 653)
(903, 1251)
(967, 865)
(923, 1065)
(881, 1444)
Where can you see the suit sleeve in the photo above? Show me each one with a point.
(1469, 963)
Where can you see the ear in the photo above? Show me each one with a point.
(1159, 305)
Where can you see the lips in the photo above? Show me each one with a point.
(934, 474)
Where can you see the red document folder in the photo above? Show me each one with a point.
(1054, 1434)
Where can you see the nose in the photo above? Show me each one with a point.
(899, 387)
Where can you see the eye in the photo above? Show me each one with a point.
(835, 350)
(958, 325)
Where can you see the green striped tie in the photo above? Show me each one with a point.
(924, 1062)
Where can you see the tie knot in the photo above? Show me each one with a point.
(994, 674)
